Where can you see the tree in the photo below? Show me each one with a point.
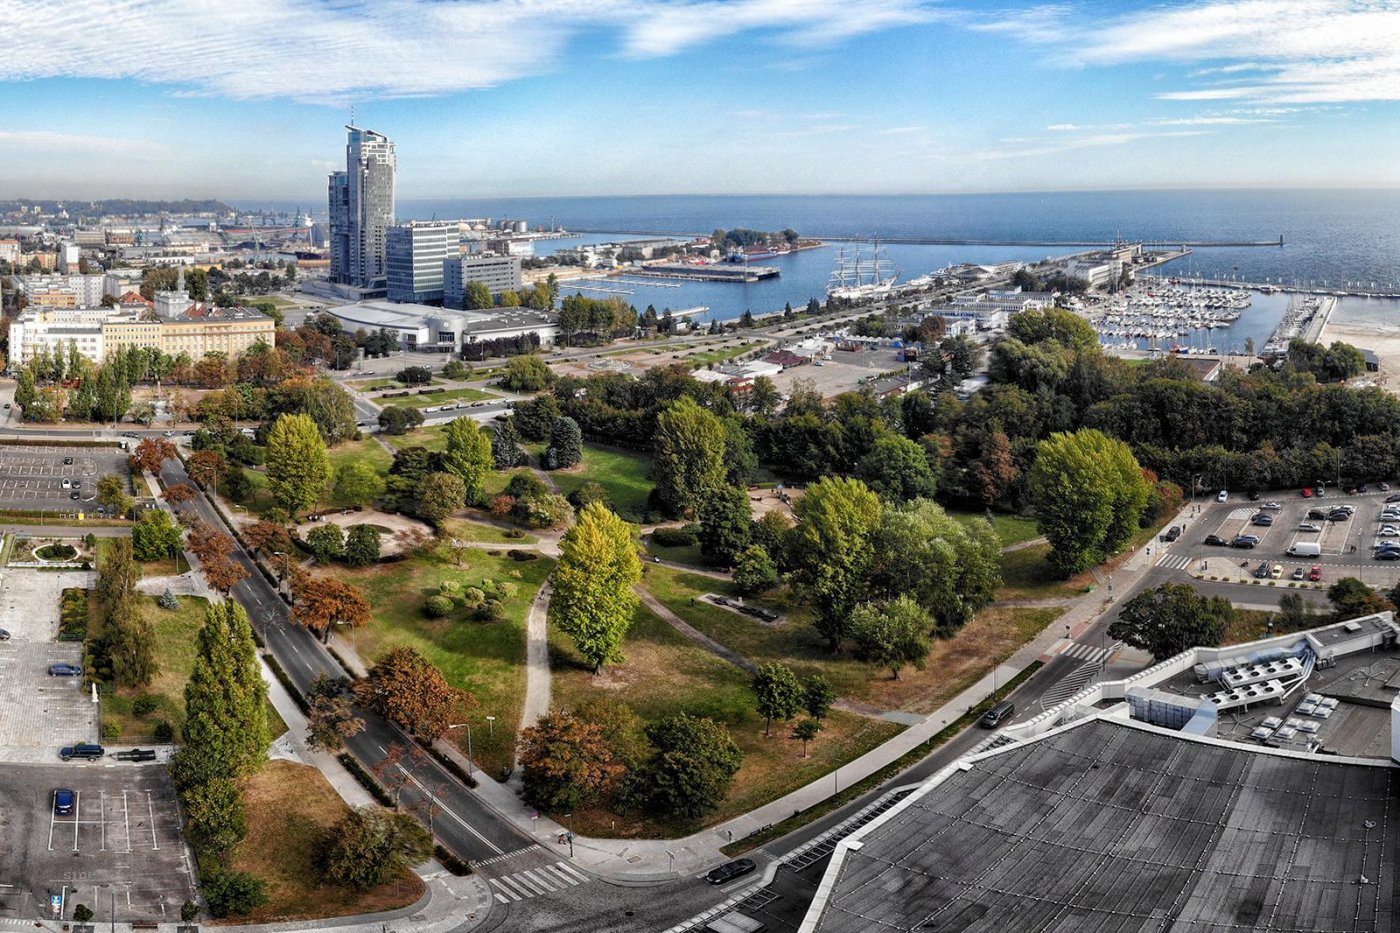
(150, 454)
(268, 538)
(588, 493)
(832, 549)
(128, 639)
(688, 455)
(535, 417)
(206, 466)
(993, 474)
(179, 494)
(155, 536)
(414, 375)
(1089, 493)
(225, 729)
(505, 445)
(112, 494)
(726, 524)
(332, 718)
(362, 546)
(779, 694)
(1351, 599)
(818, 696)
(326, 541)
(528, 373)
(805, 731)
(565, 445)
(897, 469)
(892, 635)
(754, 571)
(593, 601)
(216, 818)
(223, 573)
(405, 688)
(467, 455)
(399, 419)
(566, 763)
(357, 484)
(232, 893)
(438, 496)
(1168, 619)
(456, 369)
(764, 397)
(322, 603)
(694, 761)
(478, 297)
(370, 846)
(1294, 613)
(298, 466)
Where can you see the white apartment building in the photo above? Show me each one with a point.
(69, 256)
(498, 273)
(56, 329)
(9, 251)
(87, 290)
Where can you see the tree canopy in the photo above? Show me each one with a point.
(1168, 619)
(593, 601)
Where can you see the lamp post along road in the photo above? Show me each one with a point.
(468, 727)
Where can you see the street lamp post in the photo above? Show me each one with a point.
(468, 727)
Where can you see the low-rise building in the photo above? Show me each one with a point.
(498, 273)
(420, 327)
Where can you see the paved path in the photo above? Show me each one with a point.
(694, 634)
(538, 683)
(1022, 545)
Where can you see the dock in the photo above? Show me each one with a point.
(944, 241)
(716, 272)
(1305, 318)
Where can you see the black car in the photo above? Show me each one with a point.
(1262, 571)
(1338, 515)
(1215, 541)
(1317, 513)
(67, 461)
(730, 870)
(87, 751)
(1393, 497)
(1253, 495)
(1388, 554)
(1171, 534)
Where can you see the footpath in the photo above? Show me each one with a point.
(651, 861)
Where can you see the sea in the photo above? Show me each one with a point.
(1331, 237)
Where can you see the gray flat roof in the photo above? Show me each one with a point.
(1108, 827)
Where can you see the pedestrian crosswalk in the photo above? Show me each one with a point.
(1175, 561)
(533, 882)
(1091, 653)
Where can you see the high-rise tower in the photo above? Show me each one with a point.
(362, 209)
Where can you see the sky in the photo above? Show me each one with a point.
(519, 98)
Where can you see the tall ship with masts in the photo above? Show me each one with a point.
(861, 273)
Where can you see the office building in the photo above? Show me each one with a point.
(414, 257)
(498, 273)
(361, 201)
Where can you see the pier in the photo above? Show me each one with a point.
(1304, 319)
(944, 241)
(1390, 291)
(717, 272)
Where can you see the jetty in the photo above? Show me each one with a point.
(947, 241)
(714, 272)
(1304, 319)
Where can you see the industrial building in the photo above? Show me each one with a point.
(1240, 788)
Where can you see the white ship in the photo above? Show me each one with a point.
(860, 274)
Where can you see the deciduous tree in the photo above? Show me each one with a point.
(779, 695)
(326, 541)
(893, 634)
(370, 846)
(357, 484)
(405, 688)
(832, 548)
(467, 455)
(694, 762)
(754, 571)
(688, 453)
(1168, 619)
(321, 603)
(805, 731)
(897, 470)
(298, 466)
(155, 536)
(112, 494)
(566, 763)
(150, 454)
(593, 600)
(438, 496)
(726, 523)
(362, 546)
(1089, 493)
(206, 466)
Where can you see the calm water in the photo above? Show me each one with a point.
(1330, 236)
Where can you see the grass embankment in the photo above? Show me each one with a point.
(290, 809)
(953, 665)
(1027, 574)
(1012, 529)
(486, 658)
(176, 644)
(666, 673)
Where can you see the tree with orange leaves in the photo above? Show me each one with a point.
(405, 688)
(179, 493)
(150, 454)
(224, 573)
(321, 603)
(267, 538)
(205, 466)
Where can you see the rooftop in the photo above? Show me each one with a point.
(1109, 826)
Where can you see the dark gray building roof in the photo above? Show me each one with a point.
(1108, 827)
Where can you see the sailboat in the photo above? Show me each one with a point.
(861, 275)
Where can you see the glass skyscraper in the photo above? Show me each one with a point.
(361, 202)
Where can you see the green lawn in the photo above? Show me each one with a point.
(703, 358)
(1012, 529)
(366, 450)
(486, 658)
(467, 530)
(664, 673)
(438, 398)
(176, 634)
(625, 475)
(431, 438)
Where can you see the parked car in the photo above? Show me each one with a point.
(67, 461)
(1389, 531)
(1315, 574)
(65, 670)
(730, 870)
(1262, 571)
(63, 801)
(1363, 488)
(1307, 492)
(1223, 496)
(1309, 526)
(4, 634)
(1383, 487)
(1388, 554)
(1215, 541)
(1263, 519)
(1317, 513)
(1254, 495)
(1245, 541)
(1299, 573)
(1338, 515)
(1277, 571)
(67, 484)
(1271, 506)
(87, 751)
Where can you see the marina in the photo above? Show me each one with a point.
(1161, 315)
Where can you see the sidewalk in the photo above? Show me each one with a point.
(652, 861)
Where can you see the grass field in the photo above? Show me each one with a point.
(953, 665)
(290, 809)
(1012, 529)
(1027, 574)
(625, 475)
(431, 438)
(666, 673)
(438, 398)
(176, 640)
(703, 358)
(487, 658)
(465, 530)
(365, 450)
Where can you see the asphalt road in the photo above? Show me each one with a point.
(462, 822)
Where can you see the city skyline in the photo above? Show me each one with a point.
(632, 97)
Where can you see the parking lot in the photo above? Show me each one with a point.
(1345, 545)
(33, 477)
(39, 713)
(120, 844)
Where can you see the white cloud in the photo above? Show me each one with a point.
(358, 49)
(1022, 148)
(47, 142)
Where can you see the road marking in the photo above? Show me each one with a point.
(102, 809)
(151, 809)
(450, 812)
(77, 814)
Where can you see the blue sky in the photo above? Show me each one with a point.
(511, 98)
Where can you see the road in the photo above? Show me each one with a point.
(465, 825)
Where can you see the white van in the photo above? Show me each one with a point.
(1304, 549)
(1223, 497)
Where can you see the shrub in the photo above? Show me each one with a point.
(672, 537)
(473, 598)
(522, 556)
(189, 911)
(437, 607)
(164, 732)
(167, 600)
(111, 730)
(144, 705)
(233, 893)
(82, 913)
(491, 611)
